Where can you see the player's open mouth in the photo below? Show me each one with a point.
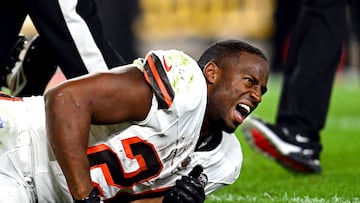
(243, 111)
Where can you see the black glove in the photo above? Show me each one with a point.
(91, 198)
(188, 189)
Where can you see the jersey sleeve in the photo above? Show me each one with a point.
(155, 74)
(174, 76)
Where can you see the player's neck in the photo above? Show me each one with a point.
(209, 142)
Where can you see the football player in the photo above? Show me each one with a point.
(134, 133)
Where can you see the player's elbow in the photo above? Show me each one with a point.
(53, 97)
(59, 100)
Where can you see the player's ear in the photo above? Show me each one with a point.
(211, 71)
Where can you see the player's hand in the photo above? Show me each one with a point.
(188, 189)
(92, 198)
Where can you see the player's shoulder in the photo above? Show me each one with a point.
(172, 72)
(172, 58)
(176, 65)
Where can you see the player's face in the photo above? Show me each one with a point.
(237, 91)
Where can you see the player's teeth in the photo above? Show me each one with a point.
(246, 107)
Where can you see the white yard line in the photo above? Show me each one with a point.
(286, 198)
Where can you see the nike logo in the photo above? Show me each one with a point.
(301, 139)
(167, 68)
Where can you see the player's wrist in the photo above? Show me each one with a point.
(93, 197)
(80, 188)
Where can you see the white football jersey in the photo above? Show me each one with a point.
(135, 160)
(129, 160)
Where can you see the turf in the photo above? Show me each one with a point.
(262, 180)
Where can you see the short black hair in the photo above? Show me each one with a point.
(221, 51)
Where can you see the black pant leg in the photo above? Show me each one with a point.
(118, 18)
(354, 8)
(74, 33)
(285, 16)
(12, 16)
(311, 66)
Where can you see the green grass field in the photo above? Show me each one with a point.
(262, 180)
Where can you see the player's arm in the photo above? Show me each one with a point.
(72, 106)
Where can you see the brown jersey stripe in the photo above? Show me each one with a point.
(157, 77)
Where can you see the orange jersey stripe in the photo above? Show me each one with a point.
(158, 80)
(4, 96)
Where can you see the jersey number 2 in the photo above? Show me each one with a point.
(134, 148)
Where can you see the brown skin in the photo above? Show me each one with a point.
(149, 200)
(100, 99)
(243, 81)
(119, 96)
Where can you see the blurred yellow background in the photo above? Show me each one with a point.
(191, 25)
(207, 19)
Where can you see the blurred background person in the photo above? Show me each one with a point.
(71, 30)
(33, 73)
(310, 68)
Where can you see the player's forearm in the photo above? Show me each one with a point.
(77, 176)
(74, 164)
(68, 127)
